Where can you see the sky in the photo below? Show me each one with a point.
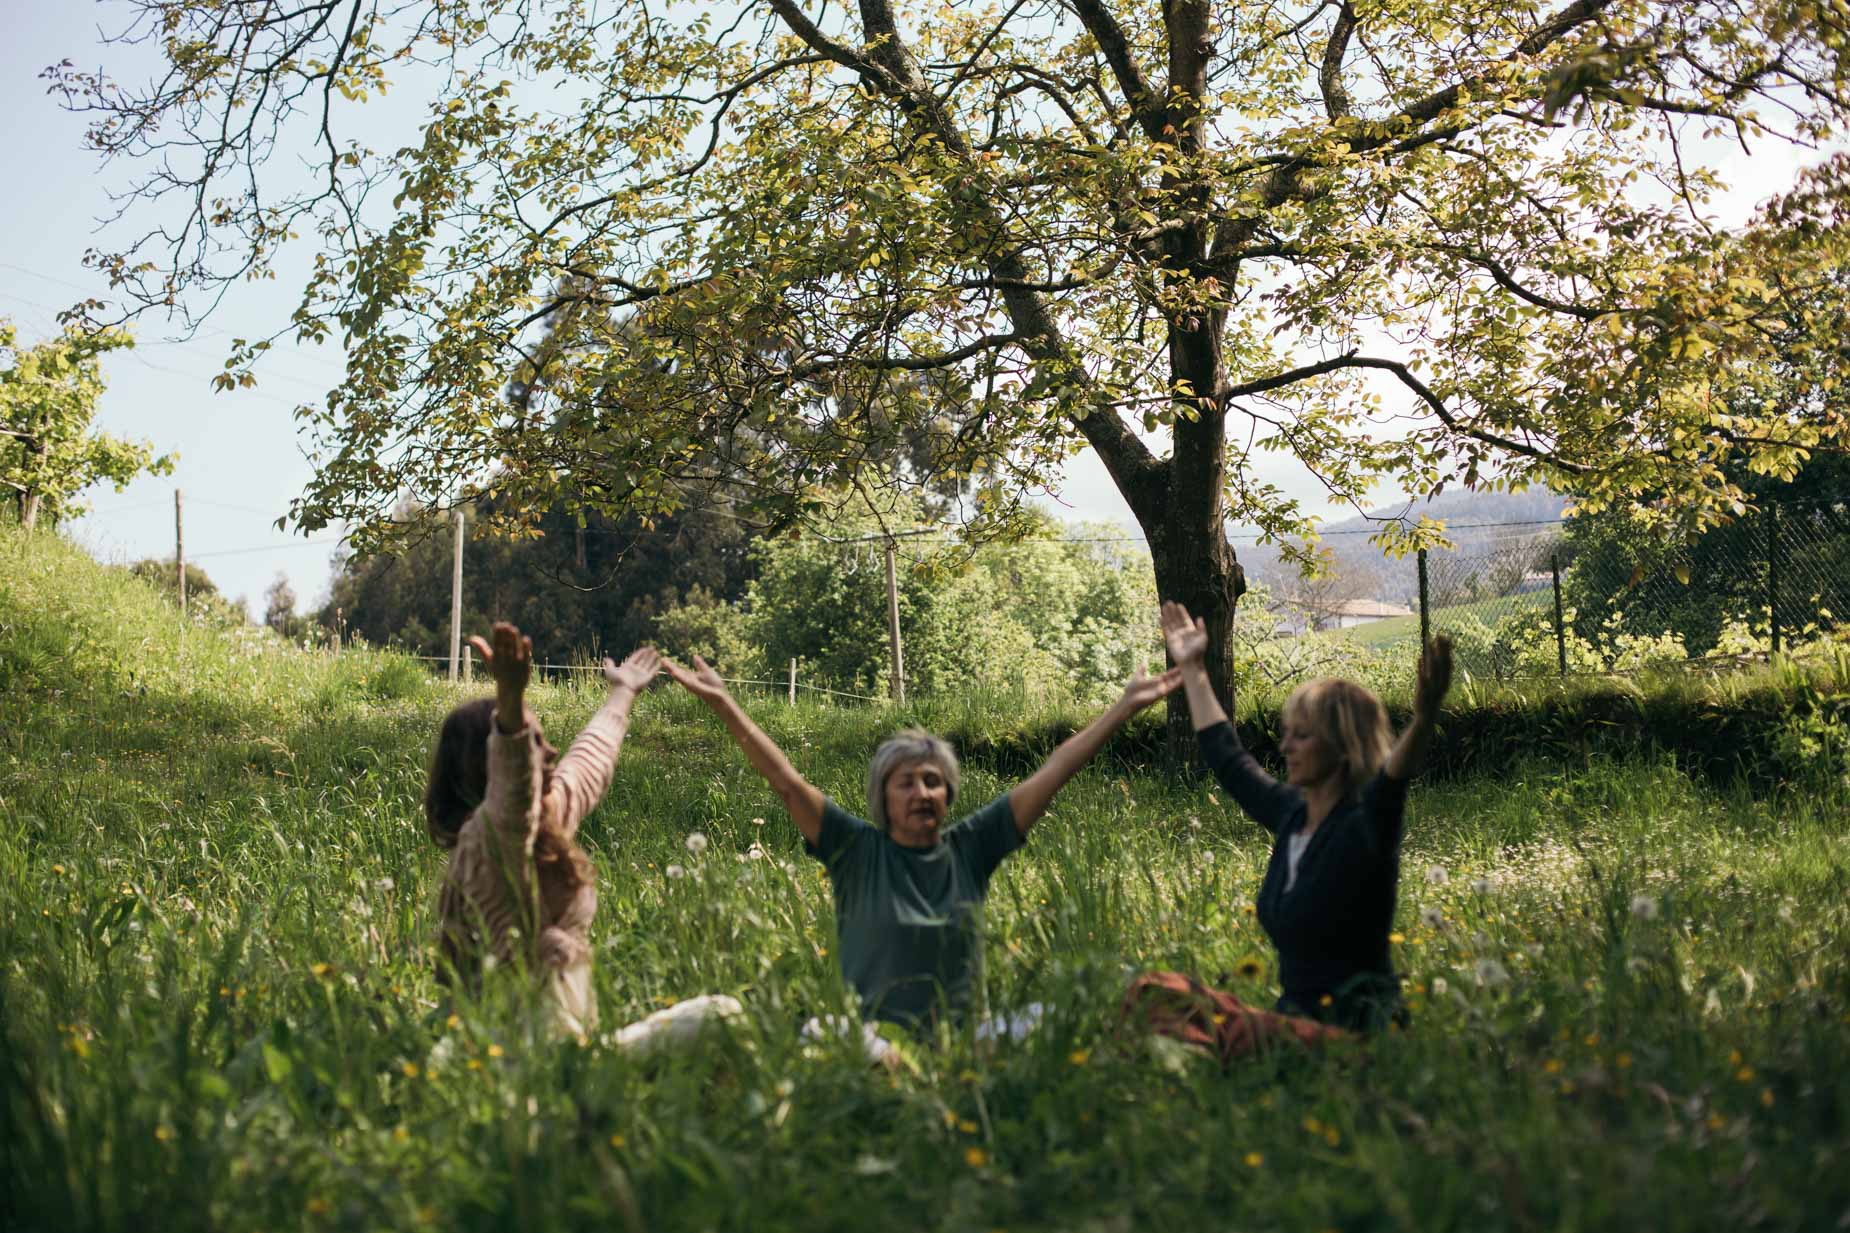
(239, 457)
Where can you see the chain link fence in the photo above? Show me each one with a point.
(1601, 596)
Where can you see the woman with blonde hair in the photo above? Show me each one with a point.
(1328, 896)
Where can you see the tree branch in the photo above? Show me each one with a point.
(1109, 36)
(1405, 375)
(1335, 97)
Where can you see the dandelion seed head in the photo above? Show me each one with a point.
(696, 843)
(1644, 907)
(1436, 875)
(1491, 974)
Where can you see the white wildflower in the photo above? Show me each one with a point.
(1644, 907)
(1436, 875)
(1439, 987)
(1491, 974)
(756, 851)
(696, 843)
(869, 1165)
(675, 871)
(1785, 913)
(384, 884)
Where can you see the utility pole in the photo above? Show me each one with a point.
(898, 666)
(456, 601)
(179, 552)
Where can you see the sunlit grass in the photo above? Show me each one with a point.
(1630, 986)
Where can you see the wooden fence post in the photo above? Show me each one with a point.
(1772, 577)
(456, 602)
(179, 553)
(1554, 565)
(1425, 608)
(898, 665)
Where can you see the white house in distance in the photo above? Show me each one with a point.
(1299, 615)
(1352, 612)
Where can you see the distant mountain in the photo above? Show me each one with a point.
(1483, 525)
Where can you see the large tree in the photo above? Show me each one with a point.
(1442, 241)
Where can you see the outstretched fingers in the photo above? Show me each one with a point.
(1185, 637)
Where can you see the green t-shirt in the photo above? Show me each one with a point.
(906, 916)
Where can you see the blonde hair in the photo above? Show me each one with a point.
(1351, 721)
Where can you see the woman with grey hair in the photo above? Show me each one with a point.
(906, 886)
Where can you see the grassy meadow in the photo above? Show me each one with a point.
(1630, 986)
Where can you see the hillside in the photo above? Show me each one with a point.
(1478, 523)
(1630, 992)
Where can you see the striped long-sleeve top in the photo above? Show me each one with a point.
(519, 885)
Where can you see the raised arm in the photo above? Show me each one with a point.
(583, 774)
(1187, 641)
(512, 800)
(1029, 799)
(1265, 800)
(1429, 689)
(802, 799)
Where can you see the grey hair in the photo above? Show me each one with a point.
(912, 745)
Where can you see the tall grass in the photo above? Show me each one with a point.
(1630, 986)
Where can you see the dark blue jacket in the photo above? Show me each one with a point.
(1331, 927)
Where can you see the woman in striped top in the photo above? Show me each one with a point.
(519, 887)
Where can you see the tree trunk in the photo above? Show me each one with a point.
(1196, 567)
(30, 499)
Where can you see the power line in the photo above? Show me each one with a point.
(229, 552)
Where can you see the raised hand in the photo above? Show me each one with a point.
(1141, 690)
(1186, 637)
(701, 680)
(510, 660)
(636, 670)
(1434, 678)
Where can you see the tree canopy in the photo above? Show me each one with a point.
(587, 585)
(48, 454)
(1441, 242)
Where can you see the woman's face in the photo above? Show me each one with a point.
(917, 795)
(1309, 760)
